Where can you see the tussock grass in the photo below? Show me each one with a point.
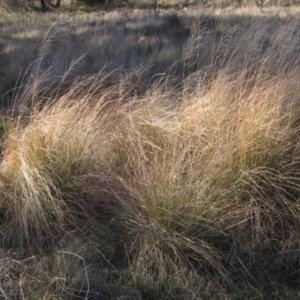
(186, 189)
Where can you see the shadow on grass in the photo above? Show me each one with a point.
(167, 43)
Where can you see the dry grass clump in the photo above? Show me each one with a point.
(108, 192)
(197, 199)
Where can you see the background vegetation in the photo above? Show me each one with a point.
(150, 155)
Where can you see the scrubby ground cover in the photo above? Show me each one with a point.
(150, 156)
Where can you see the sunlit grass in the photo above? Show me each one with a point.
(115, 185)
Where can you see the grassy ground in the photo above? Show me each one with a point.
(150, 156)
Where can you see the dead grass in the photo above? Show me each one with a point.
(186, 186)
